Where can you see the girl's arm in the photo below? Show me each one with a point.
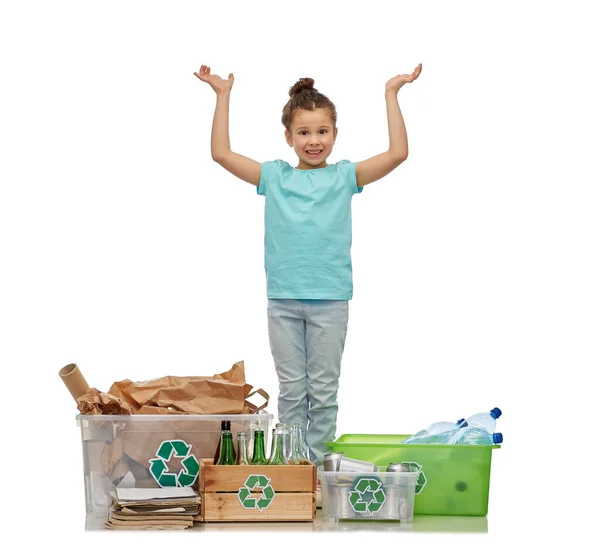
(377, 167)
(239, 165)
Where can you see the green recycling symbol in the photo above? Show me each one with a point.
(180, 449)
(368, 495)
(421, 479)
(252, 482)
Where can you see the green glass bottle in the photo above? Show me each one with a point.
(278, 457)
(258, 455)
(227, 456)
(225, 425)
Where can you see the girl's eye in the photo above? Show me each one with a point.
(303, 133)
(323, 131)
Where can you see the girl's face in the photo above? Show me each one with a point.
(312, 136)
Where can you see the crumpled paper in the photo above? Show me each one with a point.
(223, 393)
(97, 402)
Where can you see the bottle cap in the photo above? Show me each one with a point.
(226, 424)
(462, 423)
(496, 412)
(497, 438)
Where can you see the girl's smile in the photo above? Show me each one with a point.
(312, 135)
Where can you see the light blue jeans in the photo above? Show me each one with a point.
(307, 338)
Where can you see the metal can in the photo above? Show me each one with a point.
(390, 509)
(342, 506)
(331, 461)
(398, 467)
(357, 466)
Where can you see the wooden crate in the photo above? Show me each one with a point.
(275, 493)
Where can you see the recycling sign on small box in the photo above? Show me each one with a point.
(189, 464)
(367, 495)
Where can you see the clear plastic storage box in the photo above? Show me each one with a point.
(150, 451)
(453, 479)
(368, 496)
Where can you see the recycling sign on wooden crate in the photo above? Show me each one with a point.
(256, 482)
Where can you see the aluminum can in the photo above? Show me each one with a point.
(390, 510)
(398, 468)
(357, 466)
(331, 461)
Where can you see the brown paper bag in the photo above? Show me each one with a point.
(224, 393)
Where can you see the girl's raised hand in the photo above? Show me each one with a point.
(395, 83)
(218, 84)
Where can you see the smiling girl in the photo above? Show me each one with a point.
(308, 235)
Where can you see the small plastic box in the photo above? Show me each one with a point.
(150, 451)
(368, 496)
(453, 480)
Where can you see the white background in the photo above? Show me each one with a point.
(125, 249)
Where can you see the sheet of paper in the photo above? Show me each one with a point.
(137, 494)
(133, 511)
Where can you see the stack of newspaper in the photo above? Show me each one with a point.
(170, 508)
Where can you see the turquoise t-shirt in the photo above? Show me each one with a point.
(308, 230)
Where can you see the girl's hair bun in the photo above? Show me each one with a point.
(301, 85)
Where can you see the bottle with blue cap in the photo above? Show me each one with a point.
(485, 421)
(476, 436)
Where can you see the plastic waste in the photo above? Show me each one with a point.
(442, 438)
(485, 421)
(438, 427)
(476, 436)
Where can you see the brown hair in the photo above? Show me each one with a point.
(303, 96)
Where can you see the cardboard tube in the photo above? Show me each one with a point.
(74, 380)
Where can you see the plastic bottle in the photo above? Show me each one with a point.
(485, 421)
(476, 436)
(438, 427)
(442, 438)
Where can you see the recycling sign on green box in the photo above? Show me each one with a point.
(176, 448)
(421, 480)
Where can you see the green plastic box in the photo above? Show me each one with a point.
(454, 480)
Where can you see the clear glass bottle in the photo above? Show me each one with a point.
(297, 454)
(227, 457)
(250, 427)
(300, 434)
(278, 447)
(258, 456)
(242, 457)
